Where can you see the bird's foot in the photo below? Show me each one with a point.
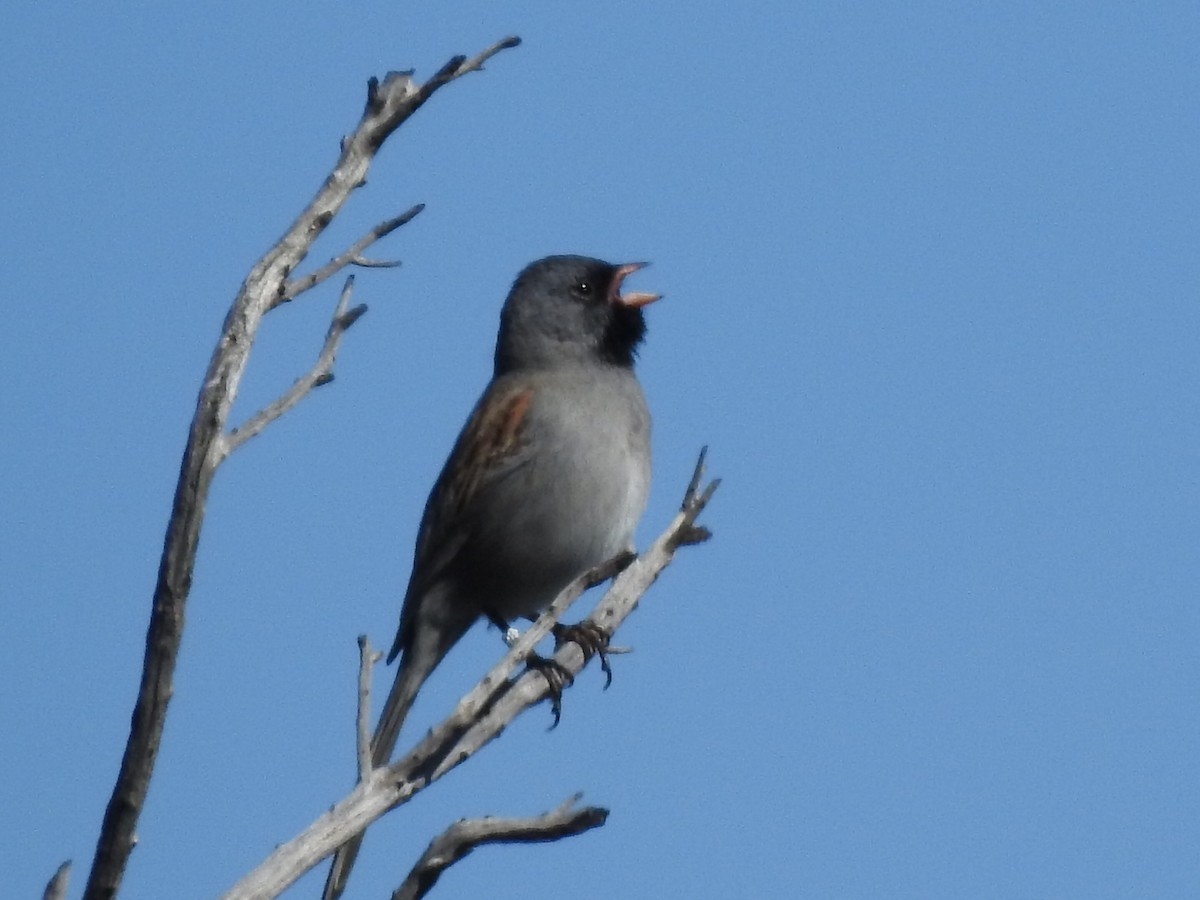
(557, 677)
(592, 640)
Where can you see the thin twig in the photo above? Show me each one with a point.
(351, 256)
(465, 835)
(364, 262)
(320, 373)
(697, 475)
(362, 737)
(696, 534)
(56, 887)
(461, 65)
(389, 106)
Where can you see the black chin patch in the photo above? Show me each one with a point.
(625, 330)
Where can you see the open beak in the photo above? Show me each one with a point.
(632, 299)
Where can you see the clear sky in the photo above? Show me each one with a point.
(931, 278)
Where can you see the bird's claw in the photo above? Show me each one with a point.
(592, 640)
(557, 677)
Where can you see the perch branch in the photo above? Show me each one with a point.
(478, 718)
(613, 608)
(466, 834)
(321, 373)
(388, 105)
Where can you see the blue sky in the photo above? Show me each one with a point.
(931, 277)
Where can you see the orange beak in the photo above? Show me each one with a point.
(633, 299)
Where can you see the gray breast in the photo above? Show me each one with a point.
(575, 501)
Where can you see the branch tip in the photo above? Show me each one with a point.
(56, 887)
(403, 219)
(365, 263)
(697, 475)
(708, 492)
(466, 834)
(692, 534)
(362, 730)
(694, 502)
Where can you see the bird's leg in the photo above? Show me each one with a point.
(591, 638)
(507, 632)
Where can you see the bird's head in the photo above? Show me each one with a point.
(565, 309)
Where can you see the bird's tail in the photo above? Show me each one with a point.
(431, 642)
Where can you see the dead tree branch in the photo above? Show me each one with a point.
(465, 835)
(389, 104)
(482, 714)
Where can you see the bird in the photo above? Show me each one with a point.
(547, 479)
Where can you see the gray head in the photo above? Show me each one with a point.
(565, 309)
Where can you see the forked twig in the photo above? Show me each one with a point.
(321, 373)
(351, 256)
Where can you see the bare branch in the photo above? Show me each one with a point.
(366, 263)
(321, 373)
(697, 534)
(362, 738)
(56, 887)
(392, 101)
(459, 66)
(697, 475)
(352, 256)
(388, 106)
(465, 835)
(478, 718)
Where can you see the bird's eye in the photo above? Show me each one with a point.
(584, 288)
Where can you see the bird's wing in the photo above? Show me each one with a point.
(493, 444)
